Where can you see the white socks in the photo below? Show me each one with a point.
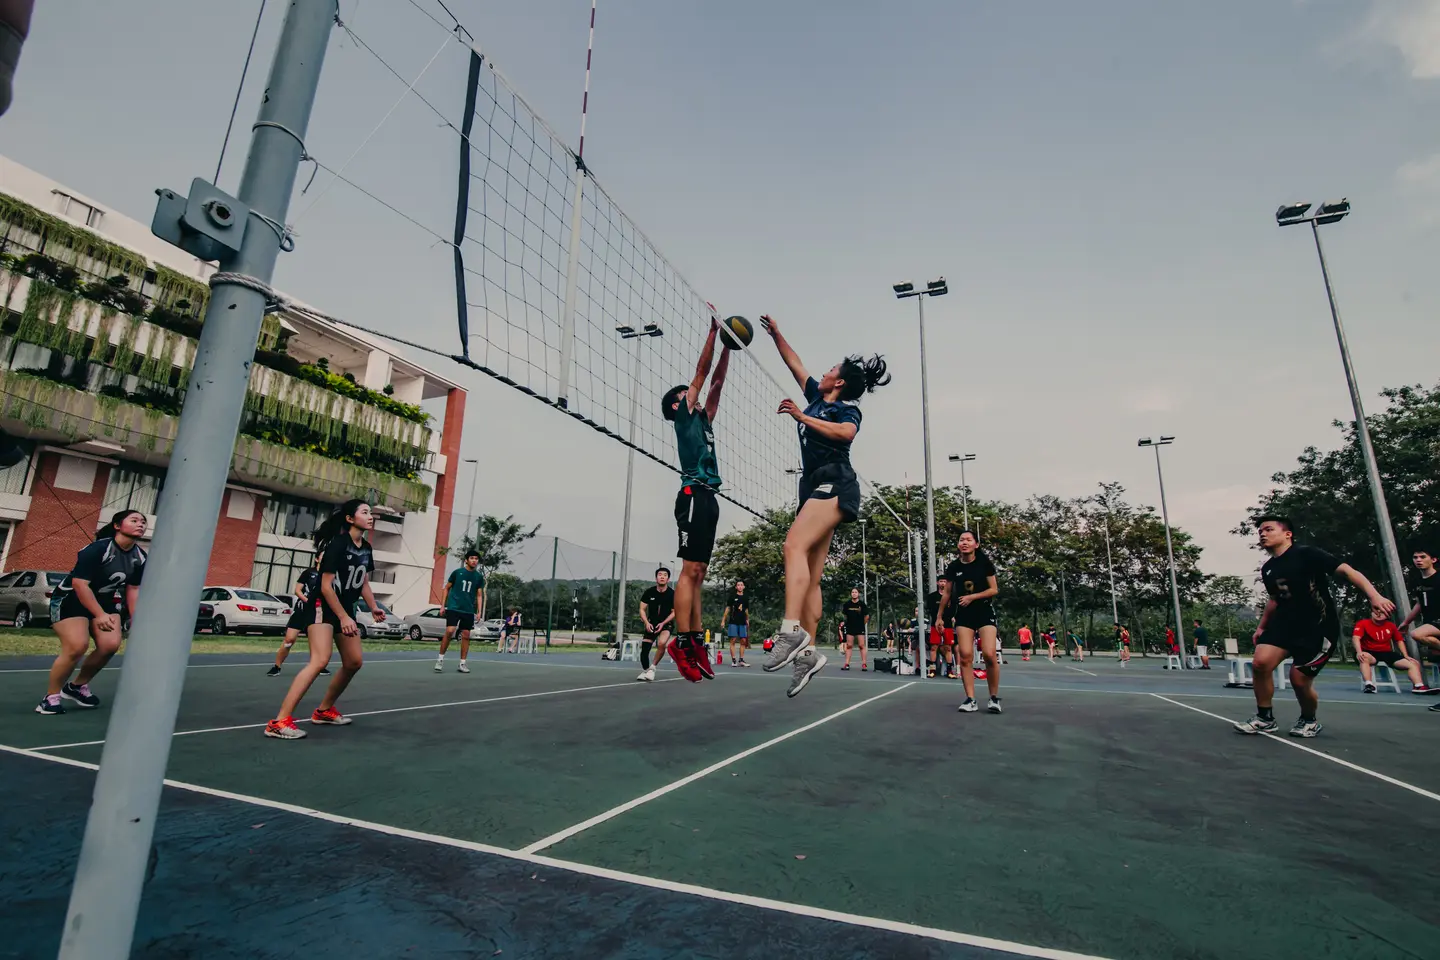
(441, 658)
(789, 626)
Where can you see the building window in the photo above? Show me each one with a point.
(132, 488)
(68, 206)
(292, 516)
(12, 479)
(277, 569)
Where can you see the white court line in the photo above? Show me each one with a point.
(1078, 670)
(214, 666)
(1318, 753)
(585, 869)
(613, 812)
(372, 713)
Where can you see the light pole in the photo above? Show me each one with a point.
(1114, 606)
(473, 478)
(962, 459)
(630, 333)
(935, 288)
(1333, 212)
(1169, 549)
(864, 565)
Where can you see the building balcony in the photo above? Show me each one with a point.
(50, 412)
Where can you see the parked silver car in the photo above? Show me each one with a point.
(25, 596)
(391, 629)
(427, 624)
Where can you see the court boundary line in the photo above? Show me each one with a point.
(1318, 753)
(655, 794)
(1079, 670)
(372, 713)
(605, 873)
(214, 666)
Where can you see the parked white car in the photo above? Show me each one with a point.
(245, 610)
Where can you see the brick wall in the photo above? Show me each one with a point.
(60, 522)
(232, 558)
(445, 484)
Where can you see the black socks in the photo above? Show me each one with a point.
(645, 646)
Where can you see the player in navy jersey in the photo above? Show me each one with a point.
(1300, 622)
(307, 592)
(345, 566)
(829, 495)
(90, 603)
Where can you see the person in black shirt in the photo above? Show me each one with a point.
(735, 621)
(829, 495)
(857, 628)
(346, 562)
(940, 645)
(1425, 585)
(657, 611)
(307, 593)
(1299, 622)
(89, 604)
(967, 586)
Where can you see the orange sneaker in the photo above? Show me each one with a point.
(332, 716)
(284, 729)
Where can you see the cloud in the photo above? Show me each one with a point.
(1411, 27)
(1421, 173)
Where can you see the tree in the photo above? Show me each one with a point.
(1327, 496)
(497, 540)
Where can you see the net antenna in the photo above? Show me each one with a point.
(567, 323)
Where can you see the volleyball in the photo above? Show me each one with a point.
(736, 332)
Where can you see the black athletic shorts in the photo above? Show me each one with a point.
(462, 621)
(833, 481)
(68, 606)
(650, 636)
(301, 618)
(321, 613)
(697, 513)
(1387, 657)
(1307, 646)
(975, 616)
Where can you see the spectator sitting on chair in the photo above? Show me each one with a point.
(1377, 640)
(1202, 645)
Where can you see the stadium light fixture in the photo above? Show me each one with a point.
(1169, 548)
(935, 288)
(962, 459)
(1333, 211)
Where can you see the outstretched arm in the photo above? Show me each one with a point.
(702, 369)
(787, 353)
(712, 400)
(1363, 584)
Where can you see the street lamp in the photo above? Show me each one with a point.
(935, 288)
(630, 333)
(962, 459)
(1169, 549)
(1290, 215)
(1114, 606)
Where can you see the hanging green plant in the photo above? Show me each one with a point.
(59, 237)
(175, 291)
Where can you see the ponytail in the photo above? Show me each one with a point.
(862, 376)
(336, 524)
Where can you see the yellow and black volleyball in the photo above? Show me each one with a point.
(736, 332)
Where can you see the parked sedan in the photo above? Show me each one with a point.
(25, 596)
(428, 623)
(391, 629)
(204, 618)
(244, 610)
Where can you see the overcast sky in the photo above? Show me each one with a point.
(1097, 182)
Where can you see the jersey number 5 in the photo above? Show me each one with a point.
(1282, 588)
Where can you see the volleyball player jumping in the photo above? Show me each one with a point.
(829, 495)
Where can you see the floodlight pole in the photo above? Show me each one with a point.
(628, 334)
(1110, 563)
(1169, 548)
(1367, 450)
(115, 854)
(936, 288)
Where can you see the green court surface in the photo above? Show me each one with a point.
(1106, 813)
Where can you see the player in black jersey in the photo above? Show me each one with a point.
(829, 495)
(735, 621)
(346, 562)
(657, 613)
(1425, 586)
(966, 587)
(857, 628)
(1299, 622)
(90, 603)
(307, 591)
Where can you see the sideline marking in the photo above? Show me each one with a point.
(1319, 753)
(372, 713)
(1078, 670)
(629, 805)
(212, 666)
(585, 869)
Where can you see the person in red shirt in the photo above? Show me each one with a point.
(1378, 640)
